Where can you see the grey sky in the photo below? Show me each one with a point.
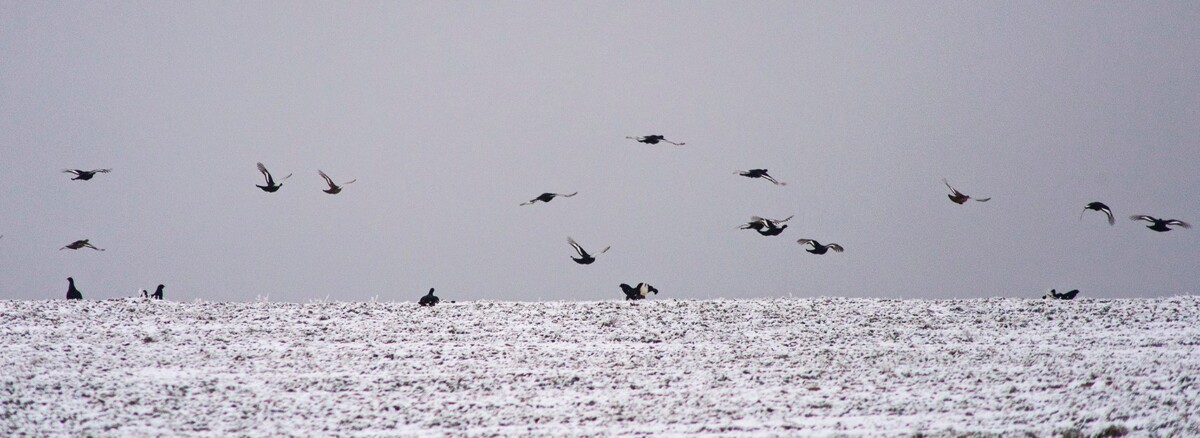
(452, 114)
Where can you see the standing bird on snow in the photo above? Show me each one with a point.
(429, 300)
(1160, 225)
(84, 175)
(1063, 296)
(333, 188)
(546, 197)
(759, 173)
(960, 198)
(818, 248)
(584, 258)
(766, 227)
(654, 139)
(271, 186)
(1099, 206)
(637, 293)
(72, 292)
(158, 293)
(80, 244)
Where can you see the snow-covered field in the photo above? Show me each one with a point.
(755, 367)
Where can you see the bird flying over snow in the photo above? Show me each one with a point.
(1099, 206)
(766, 227)
(333, 188)
(759, 173)
(584, 258)
(960, 198)
(84, 175)
(546, 197)
(271, 186)
(654, 139)
(1160, 225)
(818, 248)
(80, 244)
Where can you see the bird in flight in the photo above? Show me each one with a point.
(1099, 206)
(1160, 225)
(654, 139)
(80, 244)
(960, 198)
(766, 227)
(271, 186)
(84, 175)
(759, 173)
(584, 258)
(546, 197)
(333, 188)
(818, 248)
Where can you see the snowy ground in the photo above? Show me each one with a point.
(757, 367)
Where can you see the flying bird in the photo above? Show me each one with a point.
(1160, 225)
(818, 248)
(333, 188)
(546, 197)
(759, 173)
(1099, 206)
(654, 139)
(639, 292)
(428, 300)
(960, 198)
(84, 175)
(80, 244)
(158, 293)
(1063, 296)
(584, 258)
(271, 186)
(766, 227)
(72, 292)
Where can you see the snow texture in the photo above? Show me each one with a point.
(825, 366)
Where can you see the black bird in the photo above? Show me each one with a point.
(1099, 206)
(960, 198)
(546, 197)
(654, 139)
(72, 292)
(84, 175)
(759, 173)
(766, 227)
(1160, 225)
(145, 294)
(271, 186)
(818, 248)
(1063, 296)
(584, 258)
(333, 188)
(429, 300)
(637, 293)
(80, 244)
(158, 293)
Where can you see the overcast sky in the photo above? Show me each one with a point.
(450, 114)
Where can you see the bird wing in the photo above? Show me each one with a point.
(807, 242)
(1142, 217)
(785, 219)
(102, 171)
(327, 180)
(263, 170)
(1107, 212)
(578, 249)
(982, 199)
(75, 171)
(350, 182)
(947, 183)
(835, 247)
(604, 250)
(568, 196)
(1178, 222)
(773, 180)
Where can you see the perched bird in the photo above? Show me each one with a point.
(1099, 206)
(764, 226)
(429, 299)
(546, 197)
(333, 188)
(145, 294)
(271, 186)
(1063, 296)
(80, 244)
(654, 139)
(759, 173)
(158, 293)
(584, 258)
(84, 175)
(818, 248)
(637, 293)
(72, 292)
(1160, 225)
(960, 198)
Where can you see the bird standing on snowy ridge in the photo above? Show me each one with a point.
(72, 292)
(1063, 296)
(1100, 207)
(1160, 225)
(818, 248)
(759, 173)
(271, 186)
(84, 175)
(584, 258)
(654, 139)
(428, 299)
(958, 197)
(158, 293)
(546, 197)
(333, 188)
(80, 244)
(638, 293)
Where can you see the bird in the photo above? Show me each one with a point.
(546, 197)
(84, 175)
(1099, 206)
(654, 139)
(639, 292)
(1160, 225)
(72, 292)
(584, 258)
(818, 248)
(80, 244)
(764, 226)
(429, 300)
(271, 186)
(145, 294)
(333, 188)
(158, 293)
(759, 173)
(1063, 296)
(960, 198)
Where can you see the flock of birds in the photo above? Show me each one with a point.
(761, 225)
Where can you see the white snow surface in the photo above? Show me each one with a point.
(823, 366)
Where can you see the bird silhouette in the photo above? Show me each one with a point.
(960, 198)
(759, 173)
(639, 292)
(80, 244)
(584, 258)
(654, 139)
(1160, 225)
(333, 188)
(271, 186)
(1099, 206)
(428, 299)
(818, 248)
(84, 175)
(546, 197)
(766, 227)
(72, 292)
(1063, 296)
(158, 293)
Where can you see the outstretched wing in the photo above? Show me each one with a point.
(952, 190)
(578, 249)
(1142, 217)
(567, 196)
(102, 171)
(1178, 223)
(327, 180)
(982, 199)
(350, 182)
(263, 170)
(604, 250)
(773, 180)
(807, 242)
(1107, 212)
(835, 247)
